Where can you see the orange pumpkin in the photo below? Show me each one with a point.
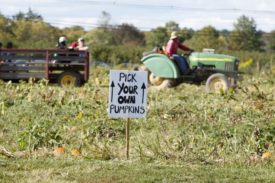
(59, 151)
(75, 152)
(267, 155)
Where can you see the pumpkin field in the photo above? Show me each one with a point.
(54, 134)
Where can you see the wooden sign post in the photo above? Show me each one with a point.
(127, 137)
(127, 97)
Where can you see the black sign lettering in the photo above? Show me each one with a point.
(126, 109)
(112, 91)
(127, 89)
(143, 87)
(127, 77)
(126, 99)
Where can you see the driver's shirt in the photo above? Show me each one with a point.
(172, 47)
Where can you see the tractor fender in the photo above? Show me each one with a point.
(160, 65)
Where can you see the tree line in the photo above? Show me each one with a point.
(125, 42)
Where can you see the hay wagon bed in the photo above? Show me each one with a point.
(64, 67)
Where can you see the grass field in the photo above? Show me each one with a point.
(81, 170)
(52, 134)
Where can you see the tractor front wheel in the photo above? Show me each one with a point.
(69, 78)
(217, 82)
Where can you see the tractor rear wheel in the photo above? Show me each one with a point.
(217, 82)
(144, 68)
(161, 83)
(69, 78)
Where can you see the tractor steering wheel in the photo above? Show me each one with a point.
(188, 53)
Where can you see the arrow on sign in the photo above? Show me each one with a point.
(143, 87)
(112, 85)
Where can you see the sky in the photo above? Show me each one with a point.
(148, 14)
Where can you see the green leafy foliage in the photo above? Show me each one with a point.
(217, 134)
(158, 36)
(40, 134)
(128, 35)
(38, 34)
(28, 16)
(182, 124)
(205, 38)
(74, 33)
(245, 35)
(117, 54)
(172, 26)
(6, 29)
(126, 43)
(271, 41)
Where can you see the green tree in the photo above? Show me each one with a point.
(271, 40)
(186, 34)
(6, 29)
(126, 34)
(172, 26)
(74, 33)
(158, 36)
(104, 20)
(30, 16)
(245, 35)
(103, 34)
(99, 36)
(38, 34)
(207, 37)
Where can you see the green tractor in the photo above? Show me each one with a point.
(219, 71)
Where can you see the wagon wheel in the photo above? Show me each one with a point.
(69, 78)
(217, 82)
(161, 83)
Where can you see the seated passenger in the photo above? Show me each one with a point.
(62, 43)
(81, 45)
(73, 45)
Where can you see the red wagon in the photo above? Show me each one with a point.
(64, 67)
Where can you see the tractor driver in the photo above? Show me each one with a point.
(171, 51)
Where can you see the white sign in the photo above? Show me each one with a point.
(127, 94)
